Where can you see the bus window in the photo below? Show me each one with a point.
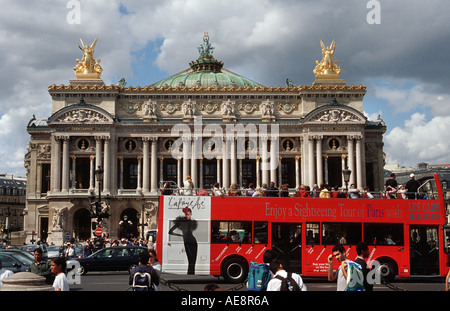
(383, 234)
(341, 233)
(260, 232)
(231, 232)
(313, 233)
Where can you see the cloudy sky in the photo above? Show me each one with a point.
(403, 60)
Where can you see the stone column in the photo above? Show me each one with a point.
(194, 163)
(233, 161)
(265, 165)
(154, 166)
(297, 172)
(179, 175)
(107, 166)
(311, 178)
(186, 157)
(343, 168)
(219, 175)
(274, 151)
(121, 175)
(74, 172)
(258, 172)
(225, 166)
(92, 172)
(56, 162)
(65, 165)
(359, 163)
(351, 159)
(319, 163)
(139, 176)
(145, 164)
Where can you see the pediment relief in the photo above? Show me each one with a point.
(82, 115)
(336, 115)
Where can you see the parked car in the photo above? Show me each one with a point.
(118, 258)
(53, 251)
(31, 247)
(19, 252)
(15, 262)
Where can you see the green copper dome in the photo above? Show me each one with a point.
(206, 71)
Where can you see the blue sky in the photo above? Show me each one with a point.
(403, 61)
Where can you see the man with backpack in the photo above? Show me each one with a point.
(260, 275)
(283, 280)
(143, 277)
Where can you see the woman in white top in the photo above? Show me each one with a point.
(58, 266)
(188, 186)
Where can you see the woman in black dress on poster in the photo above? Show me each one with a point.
(187, 225)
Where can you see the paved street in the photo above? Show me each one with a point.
(118, 281)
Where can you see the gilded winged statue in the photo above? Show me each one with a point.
(88, 65)
(327, 66)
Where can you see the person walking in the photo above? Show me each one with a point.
(345, 271)
(283, 280)
(58, 268)
(144, 267)
(362, 249)
(41, 267)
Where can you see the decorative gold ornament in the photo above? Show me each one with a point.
(88, 67)
(327, 68)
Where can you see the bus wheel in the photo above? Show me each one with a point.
(387, 270)
(235, 270)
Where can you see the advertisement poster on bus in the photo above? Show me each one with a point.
(186, 234)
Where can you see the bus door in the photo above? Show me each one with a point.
(287, 242)
(424, 252)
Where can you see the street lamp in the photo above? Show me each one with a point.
(346, 173)
(99, 212)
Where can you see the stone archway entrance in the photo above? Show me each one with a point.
(82, 224)
(128, 224)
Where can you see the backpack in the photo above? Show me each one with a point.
(288, 284)
(258, 277)
(142, 280)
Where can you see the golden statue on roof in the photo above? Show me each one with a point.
(88, 67)
(327, 68)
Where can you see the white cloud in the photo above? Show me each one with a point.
(419, 141)
(267, 41)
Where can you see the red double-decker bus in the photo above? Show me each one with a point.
(207, 235)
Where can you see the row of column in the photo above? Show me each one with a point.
(268, 163)
(317, 162)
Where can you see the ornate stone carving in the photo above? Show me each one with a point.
(83, 116)
(268, 111)
(335, 116)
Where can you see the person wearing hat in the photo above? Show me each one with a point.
(411, 187)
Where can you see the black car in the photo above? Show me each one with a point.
(15, 262)
(118, 258)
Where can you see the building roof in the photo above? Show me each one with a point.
(206, 71)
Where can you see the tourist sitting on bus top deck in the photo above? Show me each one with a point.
(144, 267)
(234, 191)
(335, 192)
(284, 191)
(250, 190)
(353, 193)
(257, 193)
(4, 273)
(391, 186)
(411, 187)
(366, 193)
(216, 190)
(58, 268)
(275, 284)
(325, 192)
(302, 192)
(401, 192)
(188, 186)
(167, 189)
(41, 267)
(272, 191)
